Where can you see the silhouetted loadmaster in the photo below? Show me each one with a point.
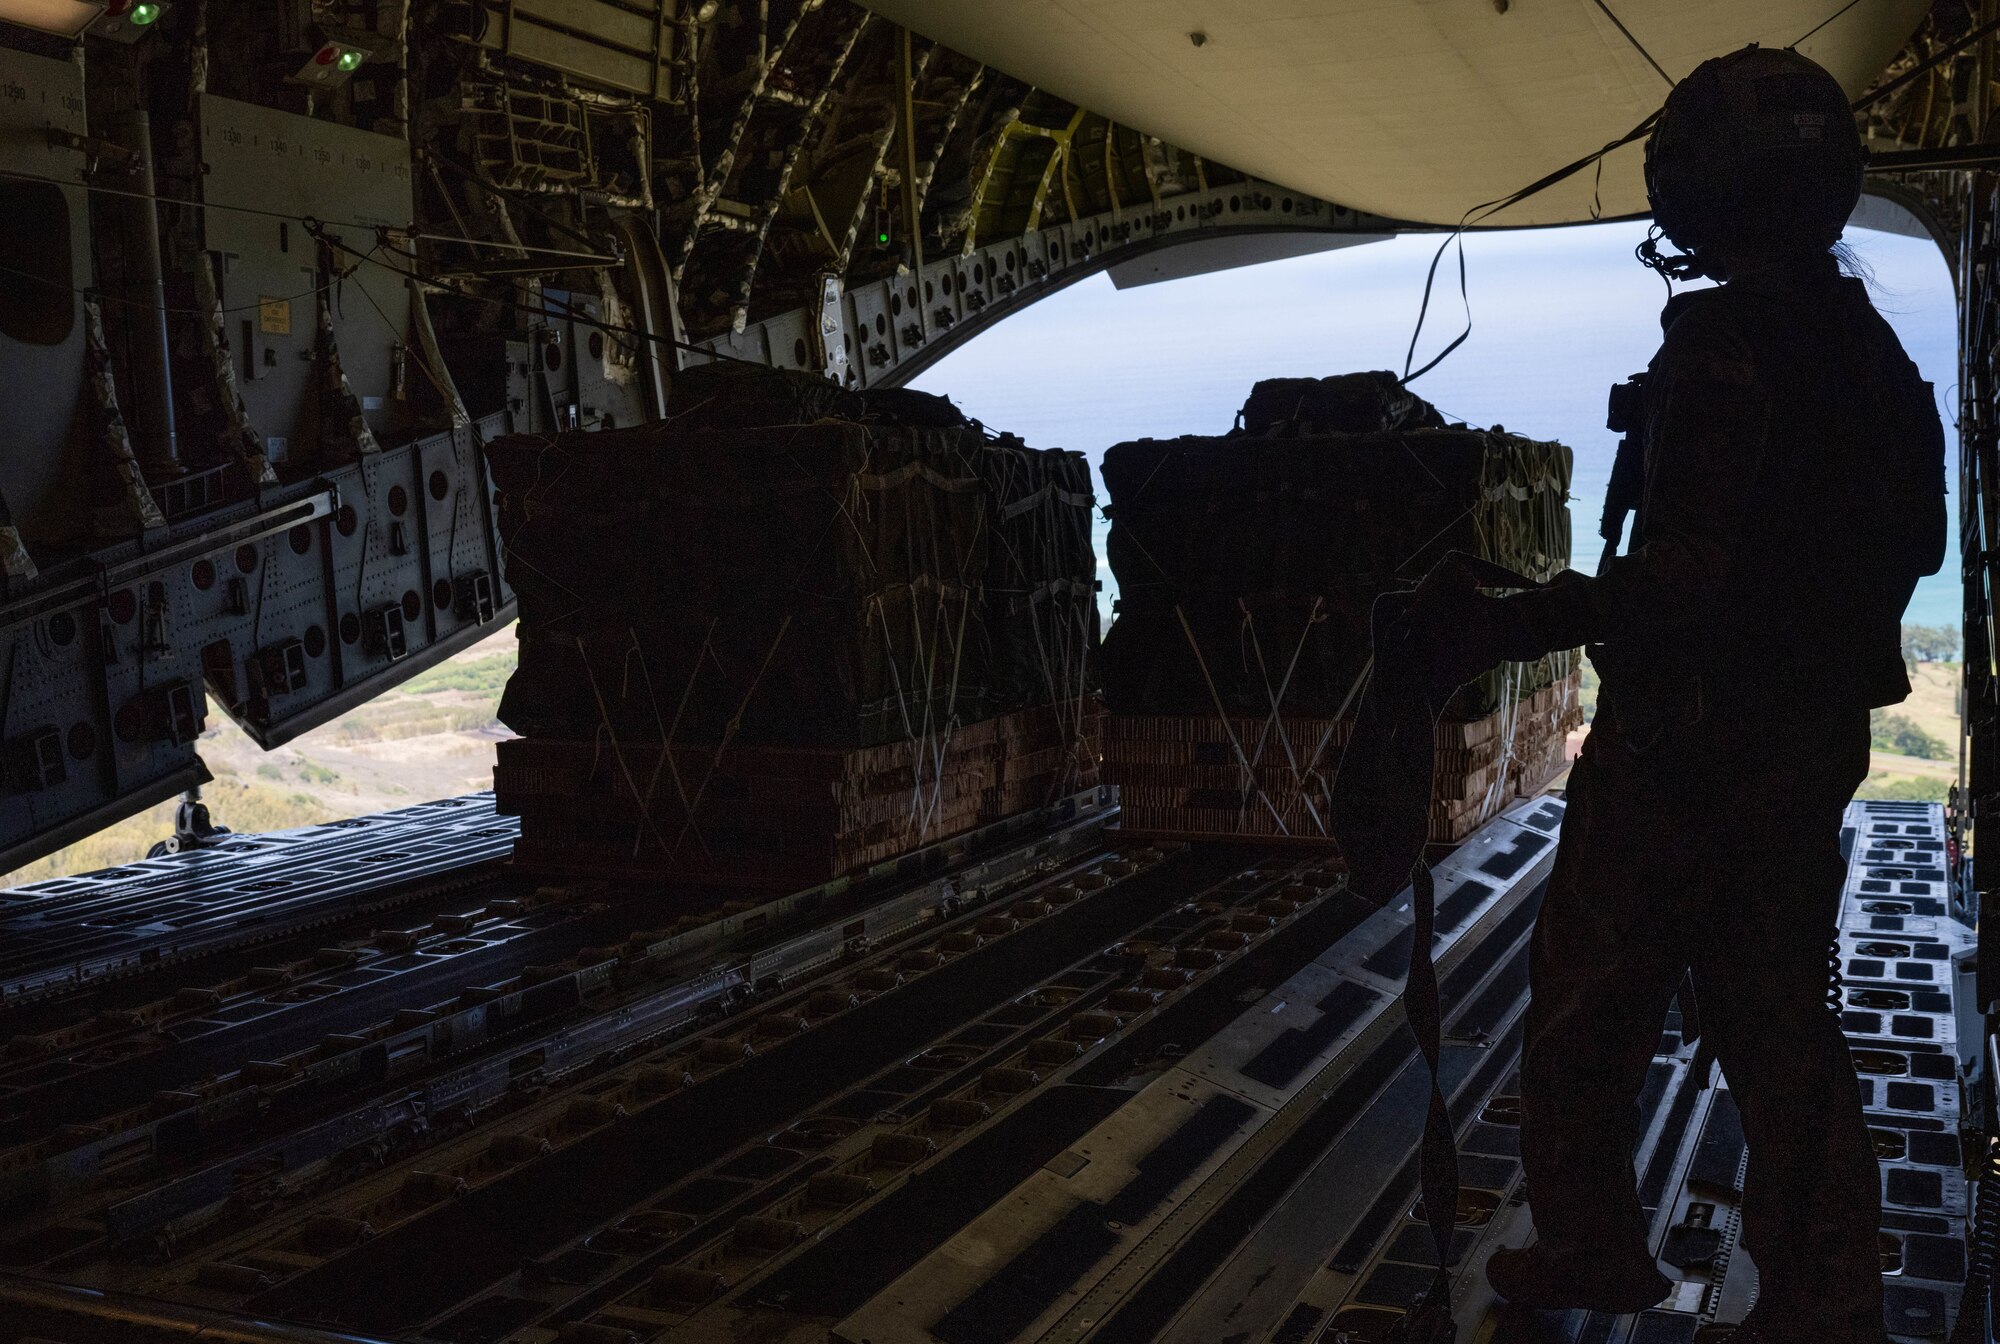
(1790, 493)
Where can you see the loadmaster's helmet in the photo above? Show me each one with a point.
(1757, 146)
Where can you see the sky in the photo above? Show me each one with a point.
(1558, 315)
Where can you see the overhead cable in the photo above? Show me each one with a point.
(1637, 45)
(559, 307)
(106, 296)
(305, 221)
(1823, 23)
(1479, 213)
(316, 229)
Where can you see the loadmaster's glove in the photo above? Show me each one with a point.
(1556, 615)
(1452, 631)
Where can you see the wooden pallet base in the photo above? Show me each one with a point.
(1176, 779)
(766, 818)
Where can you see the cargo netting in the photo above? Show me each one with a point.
(1247, 568)
(791, 632)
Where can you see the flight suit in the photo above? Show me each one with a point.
(1793, 495)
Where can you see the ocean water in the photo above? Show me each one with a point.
(1558, 315)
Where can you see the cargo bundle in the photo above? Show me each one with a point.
(790, 632)
(1247, 568)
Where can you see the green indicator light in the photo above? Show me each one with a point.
(881, 237)
(143, 14)
(350, 60)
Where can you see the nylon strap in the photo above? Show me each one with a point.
(889, 480)
(1430, 1321)
(1381, 811)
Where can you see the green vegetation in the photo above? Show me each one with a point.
(269, 771)
(1901, 734)
(414, 718)
(312, 773)
(1930, 643)
(485, 676)
(1885, 789)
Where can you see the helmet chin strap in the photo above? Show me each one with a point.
(1678, 266)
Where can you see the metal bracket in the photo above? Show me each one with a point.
(829, 348)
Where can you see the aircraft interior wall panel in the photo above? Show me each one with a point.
(286, 615)
(59, 700)
(461, 529)
(374, 569)
(260, 160)
(578, 360)
(401, 571)
(289, 624)
(47, 229)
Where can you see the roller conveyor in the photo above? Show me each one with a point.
(1055, 1091)
(355, 1044)
(66, 933)
(1903, 948)
(1319, 1080)
(118, 1072)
